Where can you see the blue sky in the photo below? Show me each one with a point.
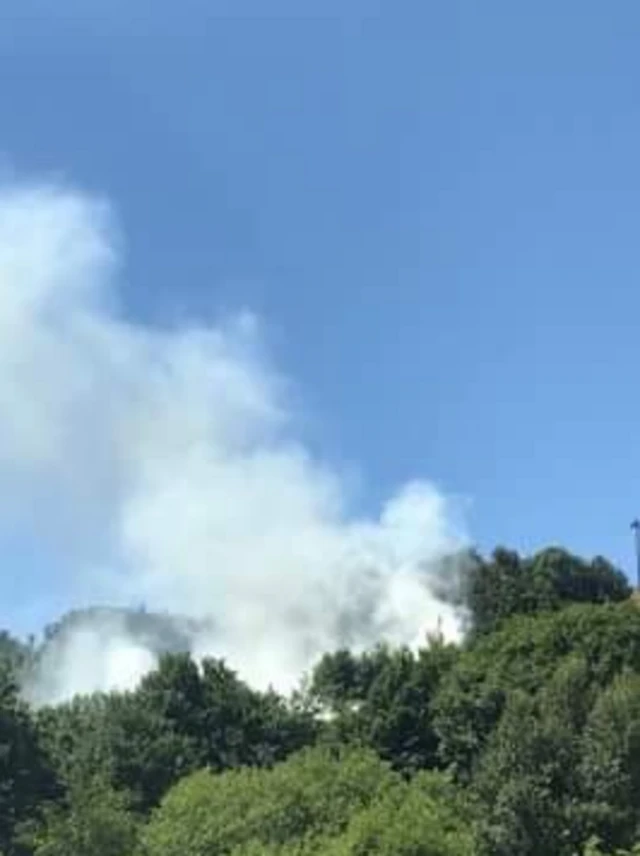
(434, 206)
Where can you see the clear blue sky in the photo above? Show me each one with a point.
(435, 205)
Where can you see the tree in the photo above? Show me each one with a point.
(425, 817)
(181, 718)
(509, 584)
(318, 803)
(524, 783)
(243, 726)
(610, 763)
(382, 699)
(15, 655)
(96, 820)
(524, 654)
(27, 780)
(523, 739)
(313, 794)
(592, 848)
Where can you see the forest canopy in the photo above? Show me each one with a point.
(523, 739)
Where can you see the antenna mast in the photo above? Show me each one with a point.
(636, 531)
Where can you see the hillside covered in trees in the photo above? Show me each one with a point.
(523, 740)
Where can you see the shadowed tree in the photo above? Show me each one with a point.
(27, 779)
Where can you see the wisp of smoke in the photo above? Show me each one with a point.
(164, 467)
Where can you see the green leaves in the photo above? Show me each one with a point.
(318, 802)
(524, 654)
(610, 763)
(509, 585)
(382, 700)
(312, 794)
(523, 779)
(535, 718)
(181, 718)
(97, 820)
(421, 818)
(27, 780)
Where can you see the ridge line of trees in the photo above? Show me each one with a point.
(523, 740)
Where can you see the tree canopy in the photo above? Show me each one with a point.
(523, 739)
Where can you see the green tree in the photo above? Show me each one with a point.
(524, 654)
(75, 737)
(593, 848)
(610, 763)
(27, 780)
(242, 726)
(180, 719)
(508, 584)
(311, 795)
(382, 699)
(425, 817)
(96, 820)
(15, 656)
(525, 785)
(120, 738)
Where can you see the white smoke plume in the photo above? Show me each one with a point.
(163, 464)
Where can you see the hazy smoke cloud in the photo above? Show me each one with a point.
(167, 467)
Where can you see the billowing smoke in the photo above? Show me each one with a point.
(164, 467)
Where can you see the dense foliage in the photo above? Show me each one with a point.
(523, 740)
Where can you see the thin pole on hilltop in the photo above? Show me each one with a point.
(636, 532)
